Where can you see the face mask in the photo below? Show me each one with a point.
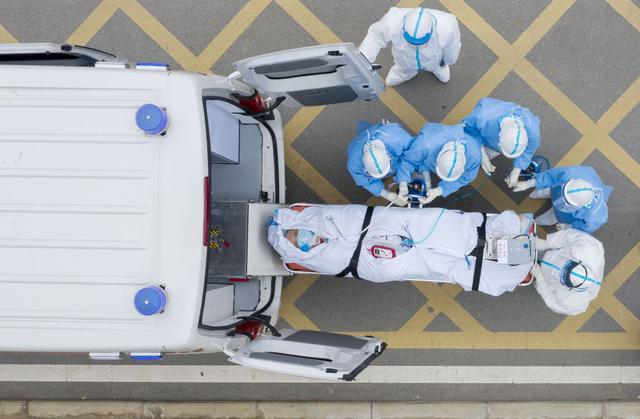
(306, 240)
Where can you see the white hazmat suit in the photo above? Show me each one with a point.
(564, 246)
(443, 243)
(436, 55)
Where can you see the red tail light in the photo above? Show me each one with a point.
(207, 212)
(253, 103)
(251, 328)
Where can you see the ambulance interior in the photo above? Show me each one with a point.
(243, 155)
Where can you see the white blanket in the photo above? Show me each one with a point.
(443, 240)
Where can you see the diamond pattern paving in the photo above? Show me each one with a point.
(508, 16)
(121, 36)
(571, 87)
(349, 304)
(32, 20)
(349, 20)
(616, 235)
(627, 134)
(629, 294)
(193, 22)
(442, 324)
(274, 28)
(520, 310)
(434, 99)
(600, 322)
(611, 55)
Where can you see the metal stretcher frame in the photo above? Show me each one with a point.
(299, 269)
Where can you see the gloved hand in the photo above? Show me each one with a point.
(401, 201)
(524, 185)
(486, 165)
(427, 178)
(536, 272)
(403, 190)
(512, 180)
(541, 244)
(562, 226)
(392, 197)
(431, 195)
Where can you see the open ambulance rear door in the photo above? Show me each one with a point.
(313, 76)
(312, 354)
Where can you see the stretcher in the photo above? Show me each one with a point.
(531, 231)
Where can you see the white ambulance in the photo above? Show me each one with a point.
(134, 202)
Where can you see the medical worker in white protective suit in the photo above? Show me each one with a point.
(374, 155)
(445, 150)
(570, 271)
(430, 244)
(504, 128)
(422, 40)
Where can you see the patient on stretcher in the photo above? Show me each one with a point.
(428, 244)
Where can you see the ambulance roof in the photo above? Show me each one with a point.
(92, 210)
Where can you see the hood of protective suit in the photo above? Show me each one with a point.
(578, 193)
(376, 159)
(418, 26)
(513, 136)
(574, 245)
(451, 161)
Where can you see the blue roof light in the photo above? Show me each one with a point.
(152, 119)
(150, 300)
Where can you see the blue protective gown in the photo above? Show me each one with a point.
(581, 218)
(423, 153)
(483, 123)
(396, 140)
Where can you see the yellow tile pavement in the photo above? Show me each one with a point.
(511, 57)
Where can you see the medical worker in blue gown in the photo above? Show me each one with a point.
(374, 154)
(578, 195)
(504, 128)
(445, 150)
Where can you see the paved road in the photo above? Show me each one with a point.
(574, 64)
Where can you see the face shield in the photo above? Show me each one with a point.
(417, 27)
(571, 273)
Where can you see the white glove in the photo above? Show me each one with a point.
(487, 167)
(393, 197)
(403, 195)
(427, 178)
(512, 180)
(401, 201)
(431, 195)
(541, 244)
(536, 272)
(403, 190)
(562, 226)
(389, 196)
(524, 185)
